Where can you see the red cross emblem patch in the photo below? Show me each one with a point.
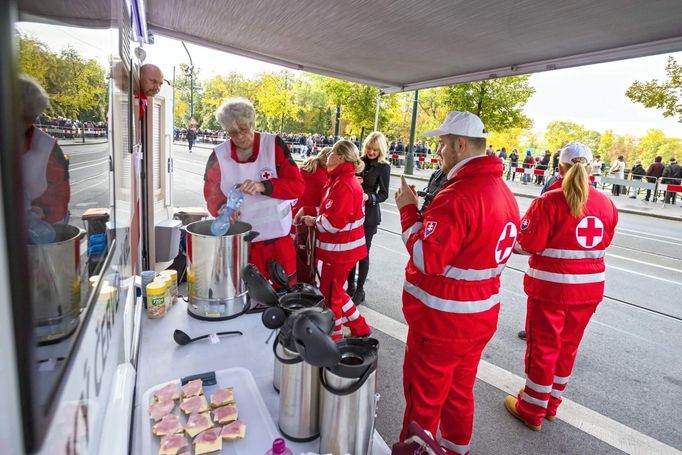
(589, 232)
(505, 243)
(266, 174)
(430, 228)
(328, 204)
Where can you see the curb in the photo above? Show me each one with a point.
(82, 143)
(530, 196)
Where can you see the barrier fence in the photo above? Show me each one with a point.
(72, 132)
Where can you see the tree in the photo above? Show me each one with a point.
(274, 100)
(216, 91)
(498, 102)
(77, 87)
(666, 95)
(183, 95)
(606, 144)
(655, 143)
(560, 133)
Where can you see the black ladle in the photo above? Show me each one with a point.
(182, 338)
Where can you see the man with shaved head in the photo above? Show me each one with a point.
(151, 79)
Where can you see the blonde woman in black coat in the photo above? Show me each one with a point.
(375, 179)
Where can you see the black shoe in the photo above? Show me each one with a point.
(522, 334)
(359, 297)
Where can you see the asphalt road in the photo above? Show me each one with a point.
(629, 368)
(89, 178)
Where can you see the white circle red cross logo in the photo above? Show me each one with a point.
(505, 244)
(266, 174)
(589, 232)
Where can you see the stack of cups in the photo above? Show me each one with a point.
(146, 277)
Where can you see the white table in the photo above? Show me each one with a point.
(161, 360)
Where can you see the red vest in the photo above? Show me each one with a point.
(567, 262)
(341, 222)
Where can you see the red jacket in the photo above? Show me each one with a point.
(567, 262)
(340, 224)
(288, 184)
(315, 184)
(458, 249)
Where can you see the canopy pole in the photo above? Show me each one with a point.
(409, 156)
(376, 115)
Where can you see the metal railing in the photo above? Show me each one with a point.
(74, 132)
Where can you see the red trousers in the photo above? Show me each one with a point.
(332, 279)
(438, 380)
(553, 333)
(281, 249)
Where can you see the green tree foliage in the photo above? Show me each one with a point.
(560, 133)
(183, 91)
(217, 90)
(275, 100)
(77, 87)
(498, 102)
(655, 143)
(666, 95)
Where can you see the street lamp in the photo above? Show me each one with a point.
(191, 82)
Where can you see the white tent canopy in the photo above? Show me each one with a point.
(405, 44)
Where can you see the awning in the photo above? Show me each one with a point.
(406, 44)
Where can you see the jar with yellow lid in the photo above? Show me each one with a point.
(173, 275)
(167, 281)
(156, 299)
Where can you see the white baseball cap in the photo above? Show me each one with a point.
(460, 124)
(575, 150)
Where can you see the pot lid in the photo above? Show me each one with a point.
(258, 287)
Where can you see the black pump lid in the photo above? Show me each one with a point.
(357, 356)
(310, 334)
(258, 287)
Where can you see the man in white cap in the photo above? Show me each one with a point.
(458, 248)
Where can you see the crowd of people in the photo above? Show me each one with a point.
(66, 128)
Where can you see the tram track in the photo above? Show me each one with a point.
(606, 296)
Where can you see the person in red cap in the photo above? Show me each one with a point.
(340, 240)
(269, 178)
(566, 231)
(458, 248)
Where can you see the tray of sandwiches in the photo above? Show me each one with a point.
(219, 412)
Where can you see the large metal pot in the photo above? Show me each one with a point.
(55, 284)
(214, 270)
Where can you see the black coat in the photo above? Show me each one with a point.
(637, 172)
(376, 178)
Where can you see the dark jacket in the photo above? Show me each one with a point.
(436, 182)
(655, 170)
(514, 159)
(376, 178)
(544, 162)
(673, 172)
(638, 172)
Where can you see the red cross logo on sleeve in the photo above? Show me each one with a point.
(505, 244)
(265, 174)
(589, 232)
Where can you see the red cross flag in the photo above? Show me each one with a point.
(505, 244)
(589, 232)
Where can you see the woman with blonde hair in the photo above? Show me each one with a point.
(316, 178)
(375, 179)
(340, 236)
(566, 233)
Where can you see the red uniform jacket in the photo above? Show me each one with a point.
(458, 249)
(340, 224)
(315, 184)
(287, 185)
(567, 262)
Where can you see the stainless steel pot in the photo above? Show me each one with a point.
(55, 284)
(348, 399)
(214, 270)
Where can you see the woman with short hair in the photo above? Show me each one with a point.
(566, 233)
(375, 180)
(340, 240)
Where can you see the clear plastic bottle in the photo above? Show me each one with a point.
(279, 447)
(39, 232)
(221, 225)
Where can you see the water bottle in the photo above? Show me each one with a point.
(39, 231)
(221, 225)
(279, 447)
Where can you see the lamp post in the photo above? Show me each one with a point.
(409, 156)
(191, 82)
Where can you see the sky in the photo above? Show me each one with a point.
(593, 96)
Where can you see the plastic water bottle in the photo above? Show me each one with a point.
(221, 225)
(279, 447)
(39, 231)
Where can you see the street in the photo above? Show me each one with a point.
(626, 387)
